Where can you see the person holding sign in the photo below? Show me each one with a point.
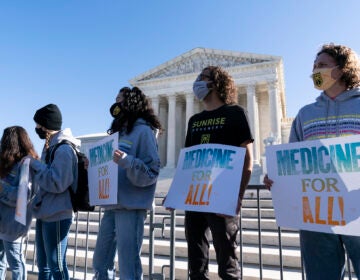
(52, 206)
(15, 146)
(336, 113)
(138, 168)
(222, 122)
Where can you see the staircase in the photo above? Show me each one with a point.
(267, 256)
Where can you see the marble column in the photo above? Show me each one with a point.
(189, 108)
(274, 107)
(171, 130)
(155, 104)
(253, 112)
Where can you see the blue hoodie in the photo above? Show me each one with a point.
(11, 230)
(327, 118)
(139, 169)
(52, 201)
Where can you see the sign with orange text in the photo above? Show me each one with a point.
(207, 179)
(102, 171)
(317, 184)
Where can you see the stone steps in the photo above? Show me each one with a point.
(250, 241)
(270, 254)
(249, 271)
(250, 237)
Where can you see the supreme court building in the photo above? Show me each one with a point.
(261, 91)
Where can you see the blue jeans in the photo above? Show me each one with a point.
(51, 244)
(11, 252)
(124, 228)
(105, 249)
(324, 254)
(3, 262)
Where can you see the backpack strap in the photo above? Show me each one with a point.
(50, 154)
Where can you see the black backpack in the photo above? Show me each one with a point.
(79, 199)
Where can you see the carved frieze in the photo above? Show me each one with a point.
(195, 60)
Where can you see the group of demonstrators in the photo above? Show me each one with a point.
(336, 113)
(336, 72)
(50, 181)
(47, 195)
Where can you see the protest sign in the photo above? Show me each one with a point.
(317, 184)
(207, 179)
(102, 171)
(22, 195)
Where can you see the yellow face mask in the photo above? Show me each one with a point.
(322, 78)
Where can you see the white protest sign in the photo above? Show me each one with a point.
(317, 184)
(22, 195)
(102, 171)
(207, 179)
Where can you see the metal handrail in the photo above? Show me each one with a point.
(168, 270)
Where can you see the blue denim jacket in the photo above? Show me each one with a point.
(10, 229)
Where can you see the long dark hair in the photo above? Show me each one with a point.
(15, 144)
(135, 105)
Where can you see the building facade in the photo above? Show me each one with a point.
(260, 85)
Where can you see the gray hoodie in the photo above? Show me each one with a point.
(139, 169)
(328, 117)
(52, 201)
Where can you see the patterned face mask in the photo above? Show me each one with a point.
(115, 109)
(322, 78)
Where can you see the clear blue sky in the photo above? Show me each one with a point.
(78, 53)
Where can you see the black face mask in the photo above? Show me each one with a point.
(40, 132)
(115, 109)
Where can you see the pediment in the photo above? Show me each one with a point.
(197, 59)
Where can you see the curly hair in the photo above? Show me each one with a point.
(135, 105)
(15, 144)
(125, 90)
(348, 62)
(223, 83)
